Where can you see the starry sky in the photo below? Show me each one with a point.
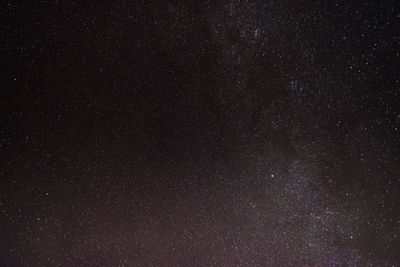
(200, 133)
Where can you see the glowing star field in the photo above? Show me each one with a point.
(200, 133)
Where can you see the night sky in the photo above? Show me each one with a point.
(200, 133)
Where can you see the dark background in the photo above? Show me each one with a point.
(196, 133)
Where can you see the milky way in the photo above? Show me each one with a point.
(237, 133)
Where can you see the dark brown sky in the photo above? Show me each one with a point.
(243, 133)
